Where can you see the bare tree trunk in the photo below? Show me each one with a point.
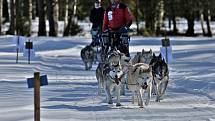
(19, 21)
(175, 30)
(149, 17)
(173, 17)
(5, 7)
(136, 16)
(75, 7)
(160, 16)
(34, 8)
(29, 16)
(53, 17)
(12, 18)
(208, 20)
(202, 21)
(1, 2)
(190, 21)
(42, 20)
(72, 28)
(66, 14)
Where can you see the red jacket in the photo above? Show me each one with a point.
(115, 18)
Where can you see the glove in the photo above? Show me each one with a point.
(123, 29)
(106, 30)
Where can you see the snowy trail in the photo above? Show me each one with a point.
(72, 92)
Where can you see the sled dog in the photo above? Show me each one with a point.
(115, 58)
(113, 75)
(87, 55)
(140, 81)
(160, 76)
(142, 57)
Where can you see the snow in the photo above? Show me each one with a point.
(72, 92)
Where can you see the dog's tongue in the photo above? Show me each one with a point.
(117, 80)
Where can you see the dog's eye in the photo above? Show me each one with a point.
(147, 77)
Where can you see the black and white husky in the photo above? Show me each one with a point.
(160, 75)
(110, 75)
(113, 81)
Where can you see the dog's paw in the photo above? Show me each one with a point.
(110, 102)
(118, 104)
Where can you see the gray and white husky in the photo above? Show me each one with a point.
(142, 57)
(140, 81)
(87, 55)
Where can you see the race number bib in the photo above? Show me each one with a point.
(110, 15)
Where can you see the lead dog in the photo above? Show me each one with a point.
(160, 76)
(113, 80)
(110, 75)
(140, 81)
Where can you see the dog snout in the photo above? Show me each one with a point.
(117, 80)
(144, 86)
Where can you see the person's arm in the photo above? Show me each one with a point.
(128, 17)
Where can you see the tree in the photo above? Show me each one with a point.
(66, 15)
(12, 18)
(150, 15)
(159, 16)
(72, 27)
(189, 14)
(34, 8)
(19, 25)
(5, 11)
(53, 17)
(207, 13)
(1, 2)
(42, 20)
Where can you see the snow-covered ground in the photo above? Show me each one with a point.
(72, 92)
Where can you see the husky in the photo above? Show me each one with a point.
(117, 57)
(112, 84)
(139, 81)
(114, 58)
(160, 76)
(87, 55)
(97, 53)
(142, 57)
(96, 45)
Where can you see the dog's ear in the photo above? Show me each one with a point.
(163, 60)
(154, 55)
(160, 55)
(150, 51)
(142, 50)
